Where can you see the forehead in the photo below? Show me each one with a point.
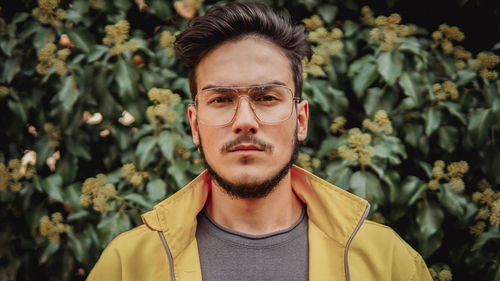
(244, 62)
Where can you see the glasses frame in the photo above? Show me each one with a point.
(237, 88)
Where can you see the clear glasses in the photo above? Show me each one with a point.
(270, 103)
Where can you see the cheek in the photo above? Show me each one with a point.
(208, 141)
(284, 141)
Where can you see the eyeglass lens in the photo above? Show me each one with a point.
(270, 103)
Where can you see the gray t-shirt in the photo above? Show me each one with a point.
(230, 255)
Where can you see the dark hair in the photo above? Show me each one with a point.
(235, 21)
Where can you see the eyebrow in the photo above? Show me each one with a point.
(273, 82)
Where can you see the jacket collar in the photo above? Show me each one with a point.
(334, 211)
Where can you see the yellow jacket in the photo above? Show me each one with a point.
(342, 244)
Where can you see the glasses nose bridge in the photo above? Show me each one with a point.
(238, 102)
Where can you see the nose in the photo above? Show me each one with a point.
(244, 120)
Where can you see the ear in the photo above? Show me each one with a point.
(194, 125)
(302, 118)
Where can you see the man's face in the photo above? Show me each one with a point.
(247, 153)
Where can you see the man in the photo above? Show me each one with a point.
(252, 215)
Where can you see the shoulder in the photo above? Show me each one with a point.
(376, 238)
(134, 242)
(129, 253)
(378, 249)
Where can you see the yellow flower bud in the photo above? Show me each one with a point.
(128, 170)
(437, 35)
(495, 213)
(447, 47)
(445, 275)
(4, 91)
(433, 184)
(457, 184)
(478, 228)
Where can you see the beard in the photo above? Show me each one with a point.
(257, 189)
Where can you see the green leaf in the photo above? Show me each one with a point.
(412, 189)
(42, 37)
(136, 198)
(72, 195)
(126, 80)
(390, 66)
(319, 98)
(409, 87)
(160, 8)
(144, 151)
(350, 28)
(18, 109)
(76, 247)
(97, 52)
(465, 76)
(78, 150)
(432, 117)
(357, 65)
(392, 180)
(178, 171)
(453, 202)
(11, 67)
(479, 125)
(20, 17)
(484, 238)
(328, 12)
(378, 99)
(338, 101)
(52, 186)
(427, 246)
(8, 45)
(157, 189)
(111, 226)
(69, 93)
(490, 163)
(338, 173)
(79, 215)
(413, 133)
(48, 252)
(82, 39)
(366, 185)
(331, 144)
(28, 30)
(412, 46)
(167, 142)
(378, 165)
(364, 79)
(448, 138)
(426, 167)
(429, 218)
(182, 84)
(389, 147)
(455, 110)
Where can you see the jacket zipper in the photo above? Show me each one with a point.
(346, 261)
(169, 254)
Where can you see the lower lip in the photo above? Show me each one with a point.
(246, 152)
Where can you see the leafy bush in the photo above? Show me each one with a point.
(94, 130)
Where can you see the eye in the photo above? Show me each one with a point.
(266, 98)
(222, 99)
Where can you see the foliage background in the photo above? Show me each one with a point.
(109, 145)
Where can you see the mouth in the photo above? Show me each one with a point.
(246, 147)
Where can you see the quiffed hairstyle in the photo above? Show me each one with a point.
(236, 21)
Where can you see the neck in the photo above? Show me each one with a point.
(277, 211)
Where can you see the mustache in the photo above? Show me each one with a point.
(247, 139)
